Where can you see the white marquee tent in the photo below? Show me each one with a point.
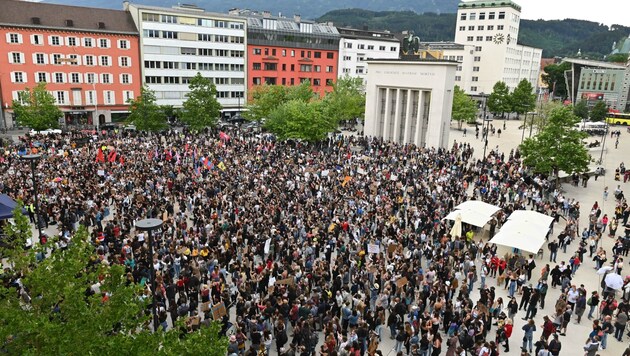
(474, 212)
(525, 229)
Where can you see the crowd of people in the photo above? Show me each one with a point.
(323, 248)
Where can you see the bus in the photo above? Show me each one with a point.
(618, 119)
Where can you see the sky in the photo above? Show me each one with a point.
(608, 12)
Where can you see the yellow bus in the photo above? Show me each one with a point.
(618, 119)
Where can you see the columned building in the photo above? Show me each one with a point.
(179, 42)
(410, 101)
(87, 57)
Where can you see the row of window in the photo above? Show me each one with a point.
(70, 41)
(75, 97)
(370, 47)
(482, 16)
(71, 59)
(302, 68)
(358, 70)
(75, 78)
(303, 54)
(481, 28)
(187, 36)
(191, 51)
(182, 20)
(291, 81)
(182, 94)
(186, 80)
(225, 67)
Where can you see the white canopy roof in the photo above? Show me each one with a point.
(474, 212)
(479, 206)
(522, 235)
(531, 217)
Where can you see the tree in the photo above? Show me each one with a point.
(599, 111)
(347, 100)
(553, 77)
(558, 146)
(298, 119)
(499, 99)
(267, 98)
(145, 114)
(201, 108)
(464, 108)
(52, 314)
(37, 109)
(581, 109)
(618, 58)
(522, 99)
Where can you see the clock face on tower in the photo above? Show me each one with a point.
(498, 38)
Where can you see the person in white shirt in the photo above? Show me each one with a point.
(572, 296)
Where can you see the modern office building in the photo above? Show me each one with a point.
(492, 28)
(356, 47)
(461, 53)
(410, 101)
(289, 51)
(596, 81)
(179, 42)
(87, 57)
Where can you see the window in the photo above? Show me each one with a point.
(124, 61)
(479, 38)
(293, 67)
(257, 51)
(221, 81)
(73, 60)
(330, 55)
(348, 45)
(462, 17)
(16, 57)
(206, 66)
(478, 48)
(188, 51)
(462, 28)
(393, 49)
(171, 80)
(318, 69)
(169, 19)
(222, 52)
(482, 16)
(317, 82)
(169, 34)
(237, 54)
(237, 25)
(221, 38)
(475, 69)
(329, 69)
(61, 97)
(469, 38)
(256, 81)
(56, 59)
(271, 66)
(90, 78)
(284, 53)
(317, 54)
(473, 88)
(105, 79)
(153, 80)
(488, 38)
(103, 43)
(170, 65)
(72, 41)
(501, 15)
(87, 42)
(458, 78)
(479, 28)
(361, 46)
(499, 27)
(205, 52)
(151, 33)
(124, 79)
(237, 39)
(473, 16)
(477, 59)
(150, 17)
(18, 77)
(89, 60)
(205, 37)
(75, 78)
(205, 22)
(490, 27)
(471, 28)
(190, 66)
(221, 24)
(128, 95)
(109, 97)
(371, 47)
(257, 66)
(460, 58)
(123, 44)
(37, 39)
(15, 38)
(55, 41)
(381, 48)
(292, 53)
(105, 61)
(475, 79)
(459, 68)
(306, 68)
(491, 15)
(41, 77)
(329, 82)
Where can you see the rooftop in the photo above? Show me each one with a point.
(592, 63)
(183, 9)
(265, 21)
(412, 60)
(70, 18)
(367, 34)
(480, 4)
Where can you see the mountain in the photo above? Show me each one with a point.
(555, 37)
(307, 8)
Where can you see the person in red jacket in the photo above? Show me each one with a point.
(508, 332)
(494, 265)
(548, 328)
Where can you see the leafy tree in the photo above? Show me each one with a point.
(553, 77)
(522, 99)
(38, 110)
(347, 100)
(581, 109)
(618, 58)
(267, 98)
(172, 113)
(558, 146)
(599, 111)
(499, 99)
(464, 108)
(201, 108)
(51, 313)
(298, 119)
(145, 114)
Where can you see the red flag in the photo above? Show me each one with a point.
(121, 159)
(112, 156)
(169, 156)
(100, 157)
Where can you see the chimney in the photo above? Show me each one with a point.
(126, 5)
(266, 14)
(297, 18)
(101, 25)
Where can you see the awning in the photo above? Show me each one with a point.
(478, 206)
(531, 217)
(7, 205)
(474, 212)
(522, 234)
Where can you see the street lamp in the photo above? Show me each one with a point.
(33, 159)
(484, 130)
(149, 225)
(531, 126)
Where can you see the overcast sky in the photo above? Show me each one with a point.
(608, 12)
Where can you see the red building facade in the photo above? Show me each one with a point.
(283, 51)
(89, 59)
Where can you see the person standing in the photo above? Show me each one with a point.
(527, 292)
(592, 302)
(529, 329)
(553, 249)
(592, 346)
(620, 323)
(555, 345)
(580, 306)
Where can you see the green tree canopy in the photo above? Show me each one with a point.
(264, 99)
(553, 77)
(599, 111)
(347, 100)
(53, 315)
(522, 99)
(618, 58)
(558, 146)
(145, 114)
(201, 108)
(499, 99)
(298, 119)
(464, 108)
(581, 109)
(37, 109)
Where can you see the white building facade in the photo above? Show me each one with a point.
(492, 28)
(179, 42)
(410, 101)
(356, 47)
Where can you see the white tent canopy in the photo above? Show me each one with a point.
(474, 212)
(531, 217)
(521, 235)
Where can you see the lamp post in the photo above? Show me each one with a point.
(484, 130)
(149, 225)
(33, 159)
(531, 126)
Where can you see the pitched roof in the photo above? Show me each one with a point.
(45, 15)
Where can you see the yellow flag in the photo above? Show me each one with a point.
(221, 166)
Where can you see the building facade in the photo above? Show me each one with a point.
(87, 57)
(410, 101)
(492, 28)
(289, 51)
(179, 42)
(356, 47)
(598, 81)
(461, 53)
